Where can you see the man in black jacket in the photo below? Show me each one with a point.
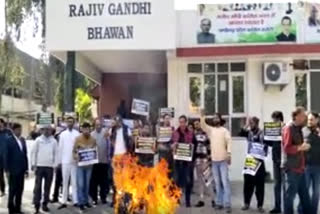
(277, 117)
(4, 133)
(16, 166)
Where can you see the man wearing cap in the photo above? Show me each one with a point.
(44, 157)
(69, 167)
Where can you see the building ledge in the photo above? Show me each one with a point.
(248, 50)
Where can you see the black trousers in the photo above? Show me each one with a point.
(57, 183)
(42, 174)
(277, 174)
(255, 183)
(16, 185)
(184, 177)
(2, 180)
(99, 180)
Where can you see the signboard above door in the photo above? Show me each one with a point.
(110, 25)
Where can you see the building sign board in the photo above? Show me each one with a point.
(110, 25)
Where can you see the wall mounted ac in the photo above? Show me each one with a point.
(276, 74)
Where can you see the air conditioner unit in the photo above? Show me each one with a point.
(275, 73)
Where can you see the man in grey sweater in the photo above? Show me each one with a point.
(44, 158)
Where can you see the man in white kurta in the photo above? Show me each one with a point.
(69, 167)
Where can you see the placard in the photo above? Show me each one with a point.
(140, 107)
(45, 119)
(87, 157)
(110, 25)
(207, 175)
(168, 111)
(272, 131)
(257, 150)
(128, 123)
(145, 145)
(184, 152)
(251, 166)
(165, 134)
(107, 123)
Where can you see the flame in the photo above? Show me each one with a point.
(151, 190)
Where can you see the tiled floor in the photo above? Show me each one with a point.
(236, 200)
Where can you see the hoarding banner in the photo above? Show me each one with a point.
(140, 107)
(272, 131)
(110, 25)
(312, 23)
(145, 145)
(246, 23)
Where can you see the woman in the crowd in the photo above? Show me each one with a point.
(202, 155)
(183, 169)
(220, 144)
(164, 140)
(145, 159)
(312, 136)
(277, 117)
(254, 181)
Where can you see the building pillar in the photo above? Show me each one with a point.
(69, 91)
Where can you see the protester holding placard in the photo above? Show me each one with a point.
(184, 168)
(164, 139)
(146, 157)
(277, 117)
(202, 155)
(69, 168)
(220, 144)
(85, 154)
(254, 178)
(44, 158)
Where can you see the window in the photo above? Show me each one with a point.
(301, 90)
(238, 94)
(218, 87)
(195, 93)
(195, 68)
(210, 94)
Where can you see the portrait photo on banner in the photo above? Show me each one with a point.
(246, 23)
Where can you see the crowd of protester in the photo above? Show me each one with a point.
(54, 157)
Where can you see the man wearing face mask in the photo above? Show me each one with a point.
(257, 150)
(220, 143)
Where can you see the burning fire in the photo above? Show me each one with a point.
(143, 190)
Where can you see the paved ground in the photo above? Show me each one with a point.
(104, 209)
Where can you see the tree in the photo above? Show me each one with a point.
(83, 105)
(11, 72)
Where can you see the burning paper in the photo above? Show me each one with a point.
(142, 189)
